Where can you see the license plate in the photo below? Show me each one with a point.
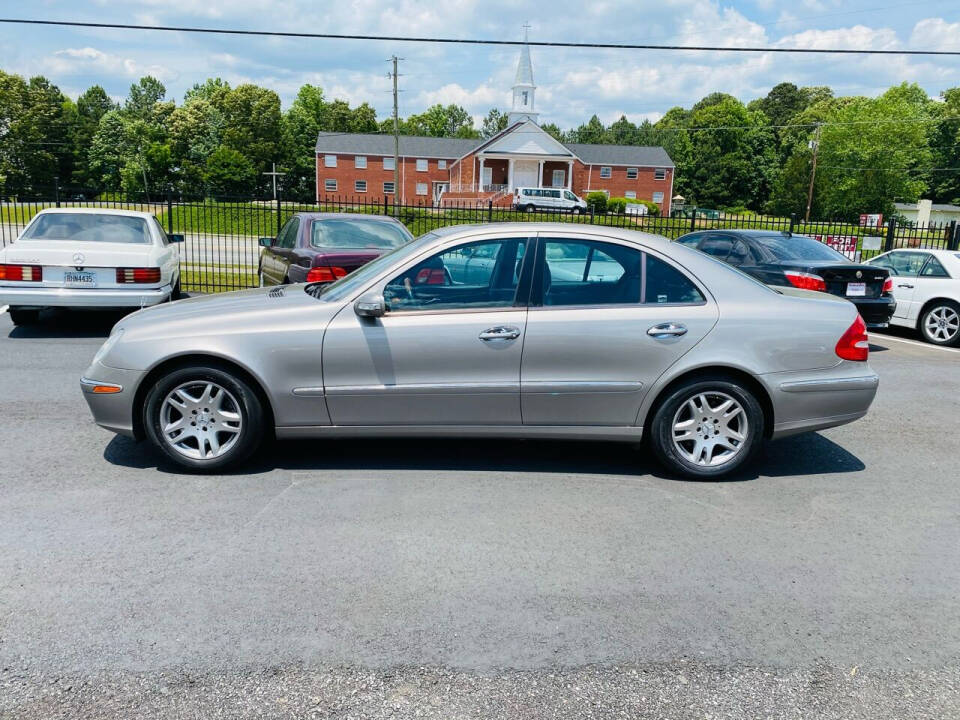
(856, 289)
(79, 279)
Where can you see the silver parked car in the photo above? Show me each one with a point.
(523, 330)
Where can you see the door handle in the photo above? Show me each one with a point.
(904, 285)
(665, 330)
(501, 332)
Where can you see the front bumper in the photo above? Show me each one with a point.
(112, 411)
(74, 297)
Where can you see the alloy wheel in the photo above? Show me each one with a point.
(710, 429)
(200, 420)
(942, 324)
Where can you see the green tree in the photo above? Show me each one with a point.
(944, 181)
(441, 121)
(623, 132)
(110, 148)
(229, 173)
(143, 95)
(212, 90)
(731, 154)
(252, 127)
(591, 132)
(495, 122)
(554, 130)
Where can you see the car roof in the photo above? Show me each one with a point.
(529, 228)
(346, 216)
(97, 211)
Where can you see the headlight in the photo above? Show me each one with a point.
(107, 346)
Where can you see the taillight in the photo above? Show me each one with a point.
(138, 275)
(805, 281)
(887, 286)
(325, 274)
(853, 345)
(431, 276)
(21, 273)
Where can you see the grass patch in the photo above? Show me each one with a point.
(214, 279)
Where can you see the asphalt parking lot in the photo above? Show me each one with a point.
(476, 579)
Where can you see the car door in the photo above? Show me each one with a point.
(606, 319)
(448, 349)
(933, 282)
(274, 261)
(905, 267)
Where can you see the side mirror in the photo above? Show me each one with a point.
(266, 242)
(372, 306)
(175, 238)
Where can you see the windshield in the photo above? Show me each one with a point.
(798, 247)
(88, 227)
(346, 286)
(348, 233)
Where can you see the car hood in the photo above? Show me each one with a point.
(231, 312)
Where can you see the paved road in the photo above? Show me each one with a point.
(476, 579)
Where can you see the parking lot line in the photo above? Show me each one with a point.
(928, 346)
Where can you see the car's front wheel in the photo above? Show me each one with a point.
(21, 316)
(204, 418)
(940, 324)
(707, 428)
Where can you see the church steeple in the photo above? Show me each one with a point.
(523, 87)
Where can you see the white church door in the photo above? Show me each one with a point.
(526, 173)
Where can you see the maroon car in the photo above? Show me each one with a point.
(323, 247)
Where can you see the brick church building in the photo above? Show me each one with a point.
(446, 171)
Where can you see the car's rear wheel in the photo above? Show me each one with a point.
(707, 428)
(204, 418)
(176, 293)
(22, 316)
(940, 324)
(528, 208)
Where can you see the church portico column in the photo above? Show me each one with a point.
(540, 175)
(480, 177)
(570, 175)
(510, 174)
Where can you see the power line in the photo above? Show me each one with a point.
(475, 41)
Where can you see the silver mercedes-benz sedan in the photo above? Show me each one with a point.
(520, 330)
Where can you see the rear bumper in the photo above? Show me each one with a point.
(808, 401)
(113, 411)
(92, 297)
(876, 312)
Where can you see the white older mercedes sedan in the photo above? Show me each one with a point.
(88, 258)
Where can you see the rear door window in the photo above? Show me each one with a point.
(587, 272)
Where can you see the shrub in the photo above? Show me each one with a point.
(617, 205)
(597, 201)
(652, 207)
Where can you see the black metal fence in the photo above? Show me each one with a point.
(221, 250)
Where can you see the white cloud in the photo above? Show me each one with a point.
(71, 61)
(935, 34)
(858, 37)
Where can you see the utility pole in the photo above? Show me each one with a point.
(396, 135)
(274, 175)
(815, 144)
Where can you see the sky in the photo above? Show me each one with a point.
(573, 84)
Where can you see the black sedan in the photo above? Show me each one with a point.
(323, 247)
(778, 258)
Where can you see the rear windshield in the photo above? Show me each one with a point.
(345, 233)
(798, 247)
(87, 227)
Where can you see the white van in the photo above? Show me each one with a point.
(529, 199)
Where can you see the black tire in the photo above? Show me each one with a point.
(528, 208)
(247, 403)
(176, 294)
(21, 316)
(575, 211)
(944, 316)
(674, 405)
